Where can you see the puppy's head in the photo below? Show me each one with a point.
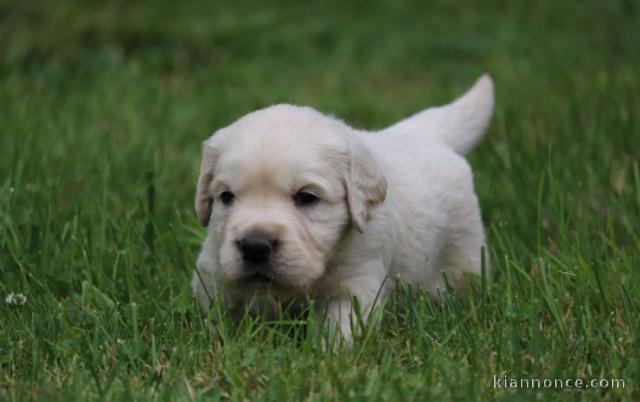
(278, 190)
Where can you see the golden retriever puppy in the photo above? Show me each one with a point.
(300, 206)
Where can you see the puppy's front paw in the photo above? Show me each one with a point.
(332, 324)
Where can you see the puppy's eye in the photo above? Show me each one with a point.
(227, 197)
(305, 199)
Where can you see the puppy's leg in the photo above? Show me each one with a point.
(462, 252)
(203, 288)
(218, 302)
(208, 293)
(358, 297)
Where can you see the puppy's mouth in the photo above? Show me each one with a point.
(260, 278)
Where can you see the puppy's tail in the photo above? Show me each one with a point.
(459, 124)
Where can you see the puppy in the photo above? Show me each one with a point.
(299, 206)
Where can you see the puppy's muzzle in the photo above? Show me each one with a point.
(256, 249)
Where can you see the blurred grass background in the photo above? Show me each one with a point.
(103, 108)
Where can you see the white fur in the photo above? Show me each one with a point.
(395, 204)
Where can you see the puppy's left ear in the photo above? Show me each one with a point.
(366, 185)
(204, 198)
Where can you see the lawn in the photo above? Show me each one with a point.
(103, 109)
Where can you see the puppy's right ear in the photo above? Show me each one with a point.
(204, 198)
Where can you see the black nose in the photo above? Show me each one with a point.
(256, 248)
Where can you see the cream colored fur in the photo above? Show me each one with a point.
(394, 204)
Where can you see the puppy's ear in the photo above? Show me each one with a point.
(204, 198)
(366, 185)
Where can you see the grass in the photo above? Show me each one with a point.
(104, 108)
